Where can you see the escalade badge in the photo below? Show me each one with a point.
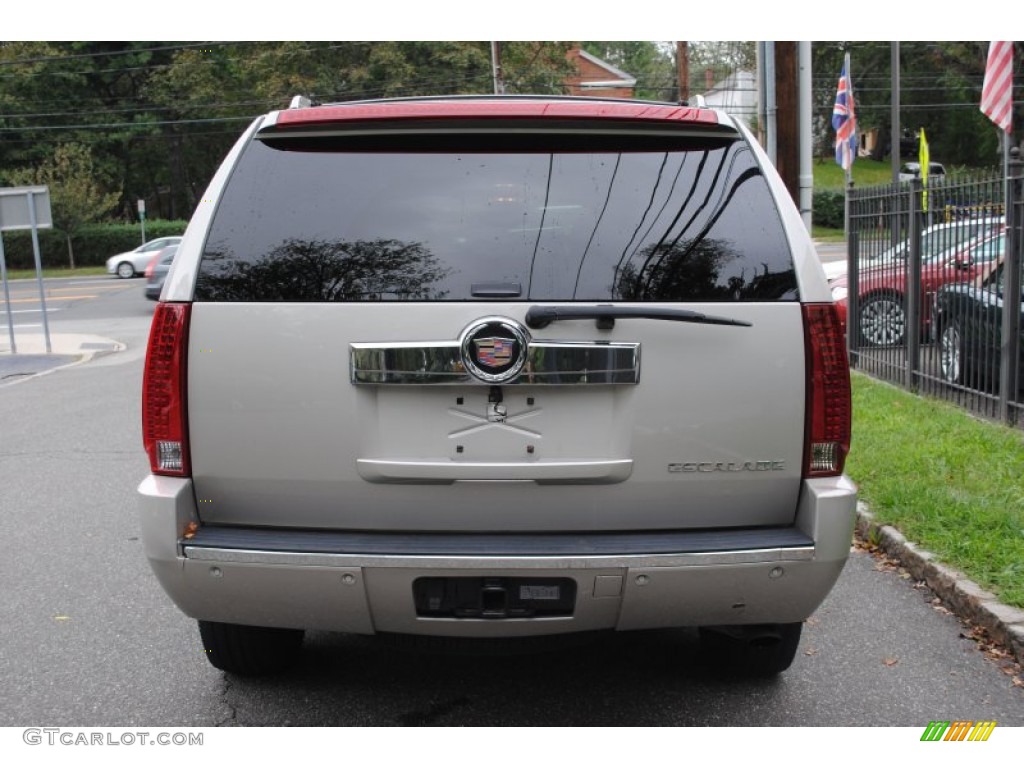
(493, 349)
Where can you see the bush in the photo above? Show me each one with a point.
(829, 207)
(93, 244)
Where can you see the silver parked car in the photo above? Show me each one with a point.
(132, 263)
(496, 367)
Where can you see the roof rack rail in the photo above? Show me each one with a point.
(503, 97)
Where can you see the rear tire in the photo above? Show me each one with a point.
(125, 270)
(762, 650)
(250, 651)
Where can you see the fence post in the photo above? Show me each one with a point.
(912, 298)
(1010, 338)
(852, 304)
(852, 262)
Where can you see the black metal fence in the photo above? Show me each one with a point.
(933, 288)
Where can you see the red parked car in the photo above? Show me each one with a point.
(882, 291)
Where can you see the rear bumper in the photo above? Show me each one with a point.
(362, 583)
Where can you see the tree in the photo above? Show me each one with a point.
(650, 63)
(76, 197)
(940, 90)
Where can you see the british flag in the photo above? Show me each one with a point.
(844, 120)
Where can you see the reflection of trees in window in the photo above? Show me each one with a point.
(688, 271)
(324, 270)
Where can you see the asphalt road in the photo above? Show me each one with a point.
(87, 637)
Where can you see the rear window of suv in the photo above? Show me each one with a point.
(579, 218)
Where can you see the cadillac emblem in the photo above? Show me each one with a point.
(494, 349)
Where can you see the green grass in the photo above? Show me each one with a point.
(828, 235)
(866, 173)
(24, 274)
(950, 483)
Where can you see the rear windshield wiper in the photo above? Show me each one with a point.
(542, 317)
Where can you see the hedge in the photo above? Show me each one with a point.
(93, 244)
(829, 207)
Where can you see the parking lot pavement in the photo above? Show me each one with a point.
(33, 359)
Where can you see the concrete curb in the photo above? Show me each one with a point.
(83, 347)
(966, 599)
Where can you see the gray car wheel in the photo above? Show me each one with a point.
(951, 354)
(883, 323)
(125, 269)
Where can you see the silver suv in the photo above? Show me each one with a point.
(496, 367)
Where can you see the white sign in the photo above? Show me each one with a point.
(14, 211)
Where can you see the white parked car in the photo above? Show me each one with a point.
(132, 263)
(496, 367)
(910, 171)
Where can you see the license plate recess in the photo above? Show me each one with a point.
(493, 597)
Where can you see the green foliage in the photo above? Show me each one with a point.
(651, 64)
(722, 58)
(94, 243)
(76, 196)
(160, 116)
(829, 208)
(940, 89)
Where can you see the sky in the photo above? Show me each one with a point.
(523, 20)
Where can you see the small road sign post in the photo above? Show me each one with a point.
(25, 208)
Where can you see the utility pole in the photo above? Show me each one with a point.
(897, 133)
(683, 69)
(787, 148)
(499, 82)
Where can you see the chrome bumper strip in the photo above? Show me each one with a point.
(340, 560)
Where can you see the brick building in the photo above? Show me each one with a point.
(596, 77)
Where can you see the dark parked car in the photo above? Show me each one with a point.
(157, 271)
(969, 321)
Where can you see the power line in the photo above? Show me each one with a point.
(98, 54)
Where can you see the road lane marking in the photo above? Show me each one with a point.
(59, 298)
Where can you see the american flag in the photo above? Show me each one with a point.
(997, 92)
(844, 120)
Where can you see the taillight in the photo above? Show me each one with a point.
(164, 413)
(152, 264)
(829, 409)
